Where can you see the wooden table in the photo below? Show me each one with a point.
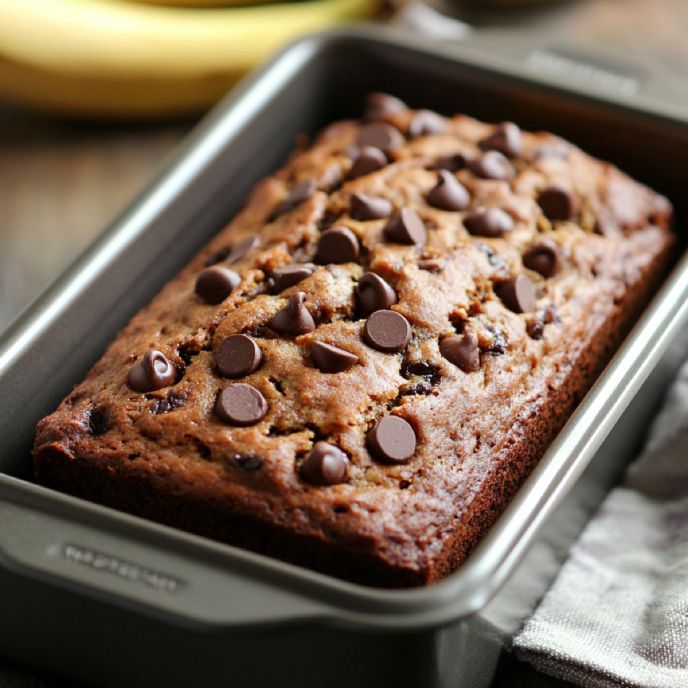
(60, 183)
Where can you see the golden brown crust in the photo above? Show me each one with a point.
(166, 455)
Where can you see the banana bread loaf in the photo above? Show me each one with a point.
(357, 373)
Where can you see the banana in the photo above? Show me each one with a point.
(200, 3)
(115, 59)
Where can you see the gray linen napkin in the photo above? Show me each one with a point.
(617, 614)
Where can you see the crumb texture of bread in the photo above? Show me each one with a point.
(467, 280)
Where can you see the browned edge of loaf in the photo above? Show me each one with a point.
(148, 496)
(375, 528)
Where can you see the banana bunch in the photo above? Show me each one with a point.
(131, 59)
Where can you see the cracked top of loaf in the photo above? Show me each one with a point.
(463, 277)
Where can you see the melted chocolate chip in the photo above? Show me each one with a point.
(237, 355)
(426, 123)
(451, 163)
(217, 257)
(557, 202)
(297, 195)
(428, 371)
(506, 138)
(337, 245)
(325, 464)
(241, 404)
(331, 359)
(171, 401)
(243, 248)
(387, 331)
(369, 207)
(294, 318)
(98, 421)
(517, 294)
(187, 350)
(379, 105)
(366, 161)
(379, 135)
(463, 351)
(492, 165)
(449, 193)
(153, 371)
(392, 440)
(289, 275)
(488, 222)
(406, 227)
(544, 258)
(374, 294)
(248, 462)
(216, 283)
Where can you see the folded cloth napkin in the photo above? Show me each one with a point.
(617, 614)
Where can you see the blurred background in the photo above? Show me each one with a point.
(95, 93)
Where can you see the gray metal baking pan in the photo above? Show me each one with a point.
(108, 599)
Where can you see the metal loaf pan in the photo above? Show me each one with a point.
(106, 598)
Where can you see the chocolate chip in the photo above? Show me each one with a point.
(172, 400)
(325, 464)
(506, 138)
(387, 331)
(330, 359)
(392, 440)
(248, 462)
(241, 404)
(378, 105)
(374, 294)
(492, 165)
(297, 195)
(369, 207)
(289, 275)
(451, 163)
(217, 257)
(153, 371)
(535, 328)
(366, 161)
(379, 135)
(216, 283)
(557, 202)
(543, 257)
(98, 421)
(406, 227)
(243, 247)
(449, 193)
(337, 245)
(488, 222)
(426, 123)
(463, 351)
(237, 355)
(517, 294)
(428, 371)
(294, 318)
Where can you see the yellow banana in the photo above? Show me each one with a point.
(99, 57)
(200, 3)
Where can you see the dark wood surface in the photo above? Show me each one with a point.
(60, 183)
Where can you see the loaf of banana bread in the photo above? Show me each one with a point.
(357, 373)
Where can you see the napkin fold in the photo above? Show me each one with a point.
(617, 613)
